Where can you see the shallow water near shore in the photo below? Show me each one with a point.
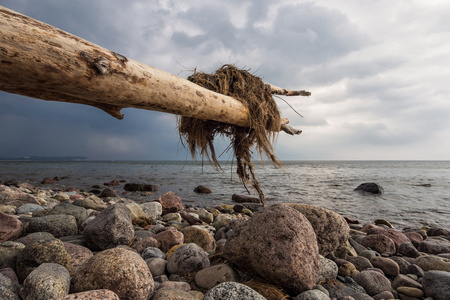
(416, 193)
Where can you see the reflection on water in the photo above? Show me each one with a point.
(416, 192)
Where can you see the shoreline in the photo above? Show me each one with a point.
(348, 249)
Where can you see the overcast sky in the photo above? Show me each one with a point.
(378, 71)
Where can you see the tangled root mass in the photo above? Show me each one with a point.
(264, 118)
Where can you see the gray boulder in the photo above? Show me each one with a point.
(188, 258)
(57, 225)
(112, 227)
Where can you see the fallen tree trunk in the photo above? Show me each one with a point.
(40, 61)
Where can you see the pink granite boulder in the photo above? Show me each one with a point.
(119, 270)
(331, 229)
(278, 244)
(170, 203)
(10, 227)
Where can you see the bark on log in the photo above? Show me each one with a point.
(40, 61)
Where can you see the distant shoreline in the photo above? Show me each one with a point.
(45, 158)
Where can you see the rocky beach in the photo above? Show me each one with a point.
(100, 244)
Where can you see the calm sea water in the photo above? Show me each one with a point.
(417, 193)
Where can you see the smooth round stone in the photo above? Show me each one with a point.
(156, 265)
(48, 281)
(347, 269)
(221, 221)
(78, 254)
(35, 237)
(80, 213)
(434, 245)
(175, 285)
(312, 295)
(28, 208)
(403, 280)
(428, 263)
(380, 243)
(373, 282)
(436, 285)
(122, 271)
(408, 249)
(10, 227)
(8, 254)
(188, 258)
(210, 277)
(328, 270)
(231, 291)
(200, 237)
(35, 254)
(410, 291)
(383, 296)
(8, 289)
(8, 209)
(152, 252)
(368, 254)
(167, 294)
(388, 266)
(57, 225)
(360, 262)
(153, 209)
(138, 216)
(101, 294)
(206, 217)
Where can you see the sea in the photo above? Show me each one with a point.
(416, 193)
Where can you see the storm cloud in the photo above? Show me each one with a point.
(377, 71)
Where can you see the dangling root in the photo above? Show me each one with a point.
(264, 118)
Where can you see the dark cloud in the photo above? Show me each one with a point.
(378, 81)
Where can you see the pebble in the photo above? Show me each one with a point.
(152, 252)
(312, 295)
(157, 240)
(157, 266)
(10, 227)
(34, 254)
(47, 281)
(28, 208)
(8, 289)
(328, 269)
(188, 258)
(57, 225)
(360, 262)
(166, 294)
(436, 284)
(209, 277)
(232, 291)
(373, 282)
(152, 210)
(428, 263)
(102, 294)
(410, 291)
(169, 238)
(388, 266)
(434, 245)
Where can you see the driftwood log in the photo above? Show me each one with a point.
(40, 61)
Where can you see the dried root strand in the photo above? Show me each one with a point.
(265, 122)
